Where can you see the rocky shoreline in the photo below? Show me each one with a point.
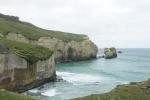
(132, 91)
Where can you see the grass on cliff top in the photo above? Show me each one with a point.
(13, 96)
(31, 53)
(12, 24)
(136, 91)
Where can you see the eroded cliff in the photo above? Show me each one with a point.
(20, 69)
(64, 51)
(28, 53)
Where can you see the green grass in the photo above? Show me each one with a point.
(31, 53)
(13, 96)
(138, 91)
(9, 24)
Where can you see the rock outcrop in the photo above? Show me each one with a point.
(110, 53)
(19, 74)
(64, 51)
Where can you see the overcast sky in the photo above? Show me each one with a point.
(119, 23)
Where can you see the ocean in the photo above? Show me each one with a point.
(96, 76)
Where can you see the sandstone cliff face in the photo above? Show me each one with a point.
(17, 74)
(64, 51)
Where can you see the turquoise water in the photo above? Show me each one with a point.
(96, 76)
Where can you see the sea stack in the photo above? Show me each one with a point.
(110, 53)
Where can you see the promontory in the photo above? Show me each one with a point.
(28, 53)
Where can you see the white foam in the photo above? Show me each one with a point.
(123, 82)
(33, 91)
(79, 78)
(50, 93)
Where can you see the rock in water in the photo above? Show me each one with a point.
(110, 53)
(119, 51)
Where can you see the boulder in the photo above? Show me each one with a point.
(110, 53)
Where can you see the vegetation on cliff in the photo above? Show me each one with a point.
(4, 95)
(13, 24)
(31, 53)
(132, 91)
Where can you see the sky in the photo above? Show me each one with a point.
(109, 23)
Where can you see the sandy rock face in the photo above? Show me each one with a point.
(63, 51)
(66, 51)
(17, 74)
(17, 37)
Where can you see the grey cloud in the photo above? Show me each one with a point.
(119, 23)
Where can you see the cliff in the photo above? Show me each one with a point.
(28, 53)
(24, 66)
(66, 46)
(63, 51)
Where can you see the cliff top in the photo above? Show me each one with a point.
(31, 53)
(13, 24)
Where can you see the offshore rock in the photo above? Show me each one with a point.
(110, 53)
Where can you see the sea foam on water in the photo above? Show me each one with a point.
(76, 78)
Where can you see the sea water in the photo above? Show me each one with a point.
(96, 76)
